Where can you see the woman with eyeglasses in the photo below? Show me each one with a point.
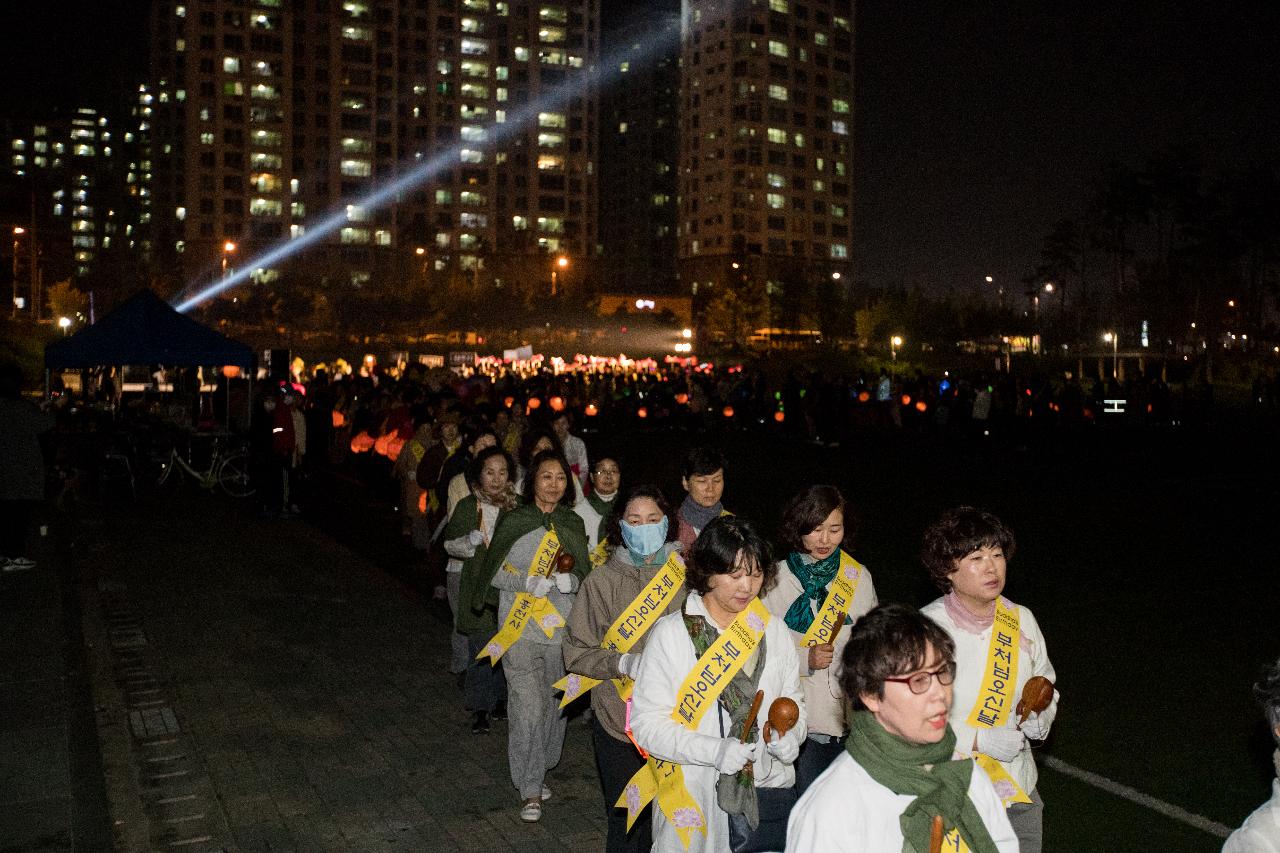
(821, 592)
(640, 582)
(898, 769)
(719, 786)
(999, 648)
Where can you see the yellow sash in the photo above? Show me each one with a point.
(995, 699)
(649, 605)
(599, 554)
(953, 843)
(697, 694)
(526, 607)
(836, 607)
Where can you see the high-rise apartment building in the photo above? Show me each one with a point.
(766, 148)
(270, 117)
(639, 148)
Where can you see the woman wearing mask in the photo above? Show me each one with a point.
(533, 601)
(699, 673)
(821, 592)
(641, 581)
(466, 540)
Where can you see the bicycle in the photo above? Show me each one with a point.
(228, 470)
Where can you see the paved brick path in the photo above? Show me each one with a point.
(281, 693)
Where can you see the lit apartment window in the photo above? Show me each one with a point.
(798, 139)
(357, 168)
(264, 207)
(779, 6)
(550, 140)
(522, 54)
(351, 145)
(551, 120)
(475, 47)
(265, 182)
(777, 181)
(297, 210)
(269, 138)
(467, 155)
(553, 14)
(778, 48)
(551, 35)
(837, 210)
(839, 250)
(261, 160)
(501, 72)
(357, 34)
(471, 68)
(444, 197)
(382, 237)
(231, 64)
(839, 106)
(549, 162)
(520, 223)
(476, 5)
(471, 198)
(552, 57)
(442, 240)
(206, 138)
(778, 93)
(355, 235)
(820, 39)
(467, 241)
(840, 127)
(550, 224)
(622, 127)
(472, 133)
(777, 135)
(474, 90)
(473, 220)
(180, 11)
(265, 92)
(356, 213)
(775, 200)
(355, 9)
(296, 231)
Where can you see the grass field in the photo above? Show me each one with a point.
(1147, 559)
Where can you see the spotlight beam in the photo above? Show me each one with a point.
(604, 73)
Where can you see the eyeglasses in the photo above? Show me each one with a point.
(919, 683)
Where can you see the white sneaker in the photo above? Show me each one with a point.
(531, 811)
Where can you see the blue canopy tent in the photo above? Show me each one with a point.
(146, 330)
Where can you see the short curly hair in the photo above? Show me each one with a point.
(613, 527)
(809, 508)
(958, 533)
(889, 641)
(725, 542)
(1267, 692)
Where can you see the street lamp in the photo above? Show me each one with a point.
(559, 266)
(64, 323)
(18, 231)
(1113, 339)
(894, 343)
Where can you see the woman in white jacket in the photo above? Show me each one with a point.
(728, 566)
(966, 552)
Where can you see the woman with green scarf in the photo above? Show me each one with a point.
(597, 506)
(533, 662)
(898, 770)
(815, 528)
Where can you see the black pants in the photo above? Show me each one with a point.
(484, 686)
(813, 761)
(616, 762)
(15, 517)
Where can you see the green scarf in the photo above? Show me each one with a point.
(814, 578)
(473, 581)
(904, 768)
(524, 520)
(735, 793)
(605, 509)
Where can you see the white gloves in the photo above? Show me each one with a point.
(1002, 744)
(733, 755)
(629, 664)
(565, 582)
(785, 748)
(1035, 728)
(538, 586)
(475, 537)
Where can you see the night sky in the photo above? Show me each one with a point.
(977, 124)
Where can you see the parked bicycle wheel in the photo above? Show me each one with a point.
(233, 476)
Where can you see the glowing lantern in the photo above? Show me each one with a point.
(362, 443)
(534, 403)
(727, 411)
(231, 371)
(864, 396)
(556, 403)
(642, 413)
(682, 398)
(339, 419)
(906, 399)
(921, 405)
(779, 416)
(394, 446)
(382, 445)
(422, 502)
(509, 402)
(591, 410)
